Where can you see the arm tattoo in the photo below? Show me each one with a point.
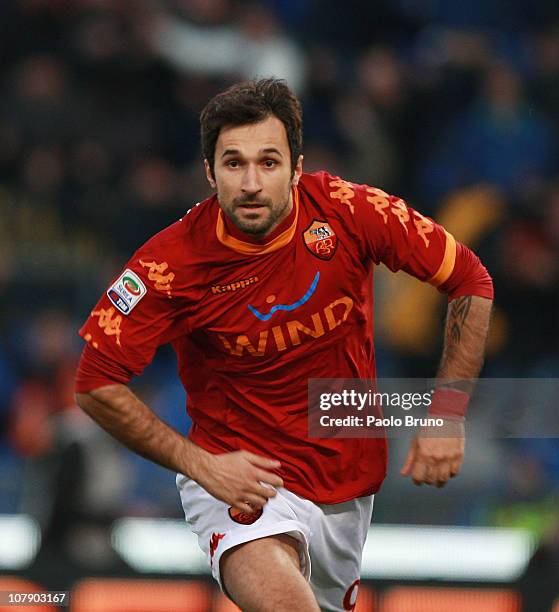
(459, 310)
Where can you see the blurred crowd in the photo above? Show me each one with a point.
(453, 106)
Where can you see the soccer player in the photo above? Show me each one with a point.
(258, 288)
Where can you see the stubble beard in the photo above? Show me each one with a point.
(259, 226)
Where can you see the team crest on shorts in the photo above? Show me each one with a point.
(320, 239)
(244, 518)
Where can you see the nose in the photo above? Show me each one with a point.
(251, 180)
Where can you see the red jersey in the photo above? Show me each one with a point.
(252, 320)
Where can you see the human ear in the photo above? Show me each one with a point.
(209, 174)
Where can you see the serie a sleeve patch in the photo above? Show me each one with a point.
(126, 292)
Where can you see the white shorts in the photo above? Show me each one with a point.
(331, 536)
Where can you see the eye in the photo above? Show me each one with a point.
(233, 163)
(270, 163)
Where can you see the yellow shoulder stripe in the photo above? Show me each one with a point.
(447, 264)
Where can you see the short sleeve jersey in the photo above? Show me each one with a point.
(252, 320)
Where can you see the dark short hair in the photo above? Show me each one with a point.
(251, 102)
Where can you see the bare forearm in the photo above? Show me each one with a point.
(240, 479)
(467, 326)
(122, 414)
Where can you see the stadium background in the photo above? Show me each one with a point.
(453, 106)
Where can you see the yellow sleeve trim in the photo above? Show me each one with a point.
(447, 264)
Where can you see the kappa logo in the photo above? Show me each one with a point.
(234, 286)
(320, 239)
(162, 279)
(109, 322)
(126, 291)
(345, 193)
(214, 543)
(244, 518)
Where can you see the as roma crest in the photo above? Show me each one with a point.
(244, 518)
(320, 239)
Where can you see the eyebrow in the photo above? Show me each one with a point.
(262, 151)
